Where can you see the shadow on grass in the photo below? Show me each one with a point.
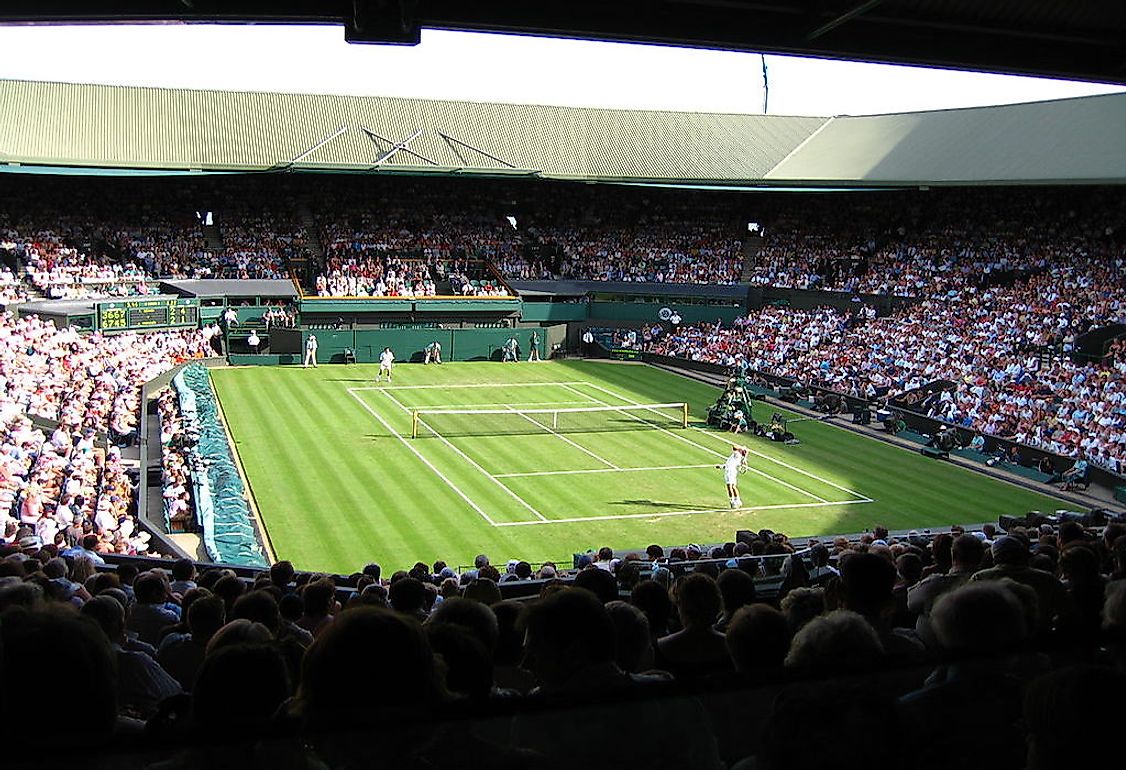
(652, 504)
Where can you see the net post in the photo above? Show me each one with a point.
(414, 424)
(684, 415)
(555, 420)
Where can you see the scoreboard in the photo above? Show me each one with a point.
(625, 354)
(163, 313)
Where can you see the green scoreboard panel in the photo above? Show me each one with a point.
(148, 314)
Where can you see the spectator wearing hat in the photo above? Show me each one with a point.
(1010, 559)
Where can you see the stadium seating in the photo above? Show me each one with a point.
(749, 630)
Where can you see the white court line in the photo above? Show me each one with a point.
(471, 461)
(418, 454)
(429, 407)
(663, 514)
(472, 385)
(752, 451)
(687, 440)
(600, 470)
(579, 447)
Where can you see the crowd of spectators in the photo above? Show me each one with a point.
(1008, 349)
(1011, 637)
(934, 242)
(98, 240)
(387, 276)
(256, 244)
(649, 252)
(60, 485)
(179, 461)
(12, 290)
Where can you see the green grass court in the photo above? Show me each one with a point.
(339, 481)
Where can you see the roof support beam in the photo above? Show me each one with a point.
(396, 147)
(318, 145)
(454, 143)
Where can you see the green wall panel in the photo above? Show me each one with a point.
(409, 344)
(555, 311)
(647, 311)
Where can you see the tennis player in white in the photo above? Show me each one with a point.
(386, 360)
(732, 467)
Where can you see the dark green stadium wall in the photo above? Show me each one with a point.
(409, 344)
(557, 312)
(647, 311)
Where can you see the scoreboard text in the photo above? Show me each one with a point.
(148, 314)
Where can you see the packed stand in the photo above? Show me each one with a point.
(103, 239)
(377, 276)
(60, 484)
(933, 242)
(1019, 630)
(180, 461)
(258, 242)
(12, 290)
(651, 236)
(1007, 348)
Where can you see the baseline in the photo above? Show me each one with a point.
(470, 385)
(664, 514)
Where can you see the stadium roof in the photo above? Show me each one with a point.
(110, 128)
(1068, 140)
(1079, 39)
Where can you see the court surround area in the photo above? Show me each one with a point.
(538, 461)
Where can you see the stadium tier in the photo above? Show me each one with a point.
(225, 402)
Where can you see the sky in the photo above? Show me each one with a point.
(498, 68)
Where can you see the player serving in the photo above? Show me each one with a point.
(734, 465)
(386, 360)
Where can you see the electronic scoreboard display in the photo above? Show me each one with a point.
(161, 313)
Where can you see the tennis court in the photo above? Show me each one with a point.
(339, 481)
(559, 462)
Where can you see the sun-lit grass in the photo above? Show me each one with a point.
(339, 481)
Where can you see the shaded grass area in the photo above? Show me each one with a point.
(339, 482)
